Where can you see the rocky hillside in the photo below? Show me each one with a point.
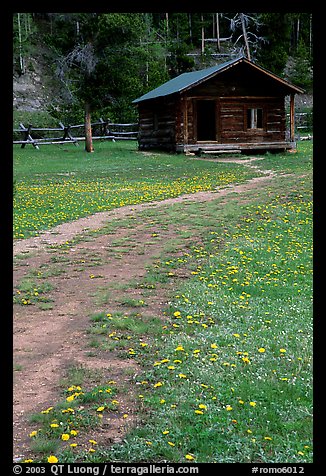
(30, 92)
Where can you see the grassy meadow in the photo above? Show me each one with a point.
(56, 184)
(228, 376)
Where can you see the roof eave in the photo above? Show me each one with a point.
(190, 86)
(245, 60)
(202, 80)
(292, 88)
(276, 78)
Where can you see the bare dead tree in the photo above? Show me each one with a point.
(245, 22)
(21, 58)
(218, 44)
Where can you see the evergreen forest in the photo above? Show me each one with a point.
(102, 61)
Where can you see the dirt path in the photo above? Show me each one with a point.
(90, 276)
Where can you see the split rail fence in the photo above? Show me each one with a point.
(101, 130)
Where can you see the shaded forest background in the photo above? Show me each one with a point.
(66, 63)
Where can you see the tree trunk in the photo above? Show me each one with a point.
(245, 37)
(88, 129)
(218, 44)
(202, 34)
(21, 58)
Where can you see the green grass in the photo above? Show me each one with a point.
(29, 291)
(227, 377)
(62, 183)
(58, 428)
(231, 377)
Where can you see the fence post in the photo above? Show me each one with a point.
(66, 133)
(104, 127)
(27, 135)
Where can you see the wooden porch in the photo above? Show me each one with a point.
(218, 148)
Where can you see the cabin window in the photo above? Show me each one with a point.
(254, 118)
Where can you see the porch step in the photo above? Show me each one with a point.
(220, 151)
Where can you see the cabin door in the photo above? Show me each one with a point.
(206, 120)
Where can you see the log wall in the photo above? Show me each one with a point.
(233, 125)
(172, 120)
(157, 124)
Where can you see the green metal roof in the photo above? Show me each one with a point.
(183, 81)
(187, 80)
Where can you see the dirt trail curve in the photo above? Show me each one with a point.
(49, 341)
(67, 231)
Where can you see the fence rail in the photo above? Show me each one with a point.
(102, 129)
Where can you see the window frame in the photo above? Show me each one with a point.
(256, 122)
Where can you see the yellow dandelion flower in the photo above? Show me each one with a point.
(261, 350)
(228, 408)
(179, 348)
(100, 409)
(170, 443)
(65, 437)
(52, 459)
(158, 384)
(190, 457)
(252, 404)
(33, 433)
(199, 412)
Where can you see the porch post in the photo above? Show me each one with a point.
(292, 117)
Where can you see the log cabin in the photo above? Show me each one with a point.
(236, 106)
